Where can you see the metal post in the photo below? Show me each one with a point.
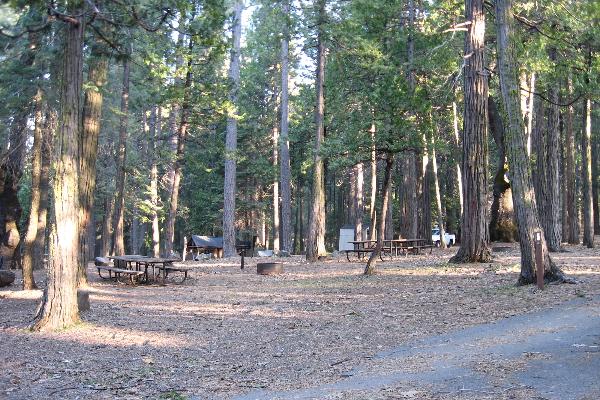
(539, 261)
(184, 248)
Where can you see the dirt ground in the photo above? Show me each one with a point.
(226, 332)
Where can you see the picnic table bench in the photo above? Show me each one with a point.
(102, 264)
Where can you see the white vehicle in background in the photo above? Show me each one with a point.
(449, 239)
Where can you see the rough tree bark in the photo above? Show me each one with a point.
(92, 113)
(474, 238)
(315, 245)
(36, 170)
(119, 241)
(516, 149)
(387, 179)
(285, 171)
(182, 132)
(231, 137)
(59, 306)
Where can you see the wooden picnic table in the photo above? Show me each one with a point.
(137, 262)
(391, 247)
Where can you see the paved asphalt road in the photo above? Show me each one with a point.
(555, 353)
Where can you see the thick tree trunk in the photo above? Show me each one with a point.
(285, 171)
(231, 137)
(586, 175)
(92, 113)
(315, 245)
(59, 307)
(179, 156)
(36, 170)
(475, 241)
(387, 180)
(119, 240)
(516, 149)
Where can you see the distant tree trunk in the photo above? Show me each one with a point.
(502, 216)
(119, 240)
(373, 197)
(11, 164)
(550, 214)
(438, 196)
(276, 225)
(285, 172)
(595, 172)
(586, 175)
(315, 245)
(36, 169)
(59, 307)
(358, 201)
(571, 187)
(92, 113)
(40, 239)
(10, 208)
(231, 137)
(457, 143)
(387, 179)
(154, 133)
(474, 239)
(107, 227)
(413, 172)
(530, 112)
(424, 230)
(516, 149)
(179, 157)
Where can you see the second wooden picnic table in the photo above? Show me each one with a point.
(391, 247)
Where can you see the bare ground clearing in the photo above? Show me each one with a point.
(227, 332)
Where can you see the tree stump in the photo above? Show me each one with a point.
(83, 300)
(6, 277)
(271, 268)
